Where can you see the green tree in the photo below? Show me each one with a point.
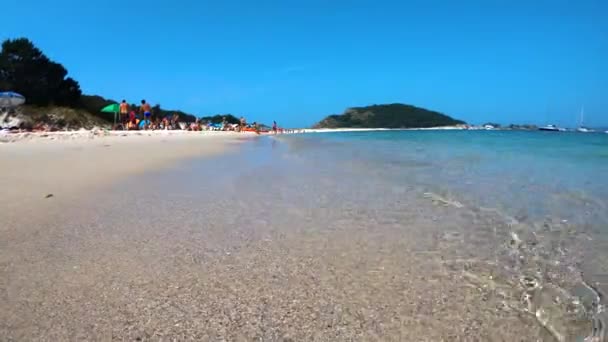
(156, 111)
(93, 104)
(218, 118)
(26, 70)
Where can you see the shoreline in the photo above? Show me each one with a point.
(337, 130)
(103, 133)
(93, 134)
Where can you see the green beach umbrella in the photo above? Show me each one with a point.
(112, 108)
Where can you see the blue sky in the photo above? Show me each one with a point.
(296, 61)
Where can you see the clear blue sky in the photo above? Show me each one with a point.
(533, 61)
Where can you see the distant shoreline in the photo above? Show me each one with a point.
(330, 130)
(442, 128)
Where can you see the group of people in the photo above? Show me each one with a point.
(130, 120)
(242, 126)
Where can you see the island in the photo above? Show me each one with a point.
(395, 115)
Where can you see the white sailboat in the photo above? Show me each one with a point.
(582, 128)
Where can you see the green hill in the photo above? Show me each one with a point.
(394, 115)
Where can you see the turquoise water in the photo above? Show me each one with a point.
(534, 205)
(529, 175)
(398, 235)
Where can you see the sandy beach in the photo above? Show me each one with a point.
(208, 237)
(304, 171)
(46, 177)
(66, 165)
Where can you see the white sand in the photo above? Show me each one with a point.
(72, 164)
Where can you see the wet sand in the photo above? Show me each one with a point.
(260, 245)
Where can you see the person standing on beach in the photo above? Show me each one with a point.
(132, 124)
(274, 127)
(243, 124)
(145, 110)
(175, 121)
(124, 114)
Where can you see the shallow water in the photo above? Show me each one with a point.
(382, 236)
(517, 216)
(548, 192)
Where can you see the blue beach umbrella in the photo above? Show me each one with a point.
(11, 99)
(143, 123)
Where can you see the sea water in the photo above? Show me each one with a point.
(390, 235)
(530, 175)
(547, 192)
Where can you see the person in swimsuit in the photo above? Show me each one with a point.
(274, 127)
(145, 109)
(132, 117)
(124, 113)
(243, 124)
(175, 121)
(132, 124)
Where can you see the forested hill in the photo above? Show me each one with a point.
(394, 115)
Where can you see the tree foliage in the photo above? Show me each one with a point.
(161, 113)
(94, 103)
(218, 118)
(156, 111)
(26, 70)
(394, 115)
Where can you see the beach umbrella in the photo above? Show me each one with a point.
(11, 99)
(112, 108)
(143, 123)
